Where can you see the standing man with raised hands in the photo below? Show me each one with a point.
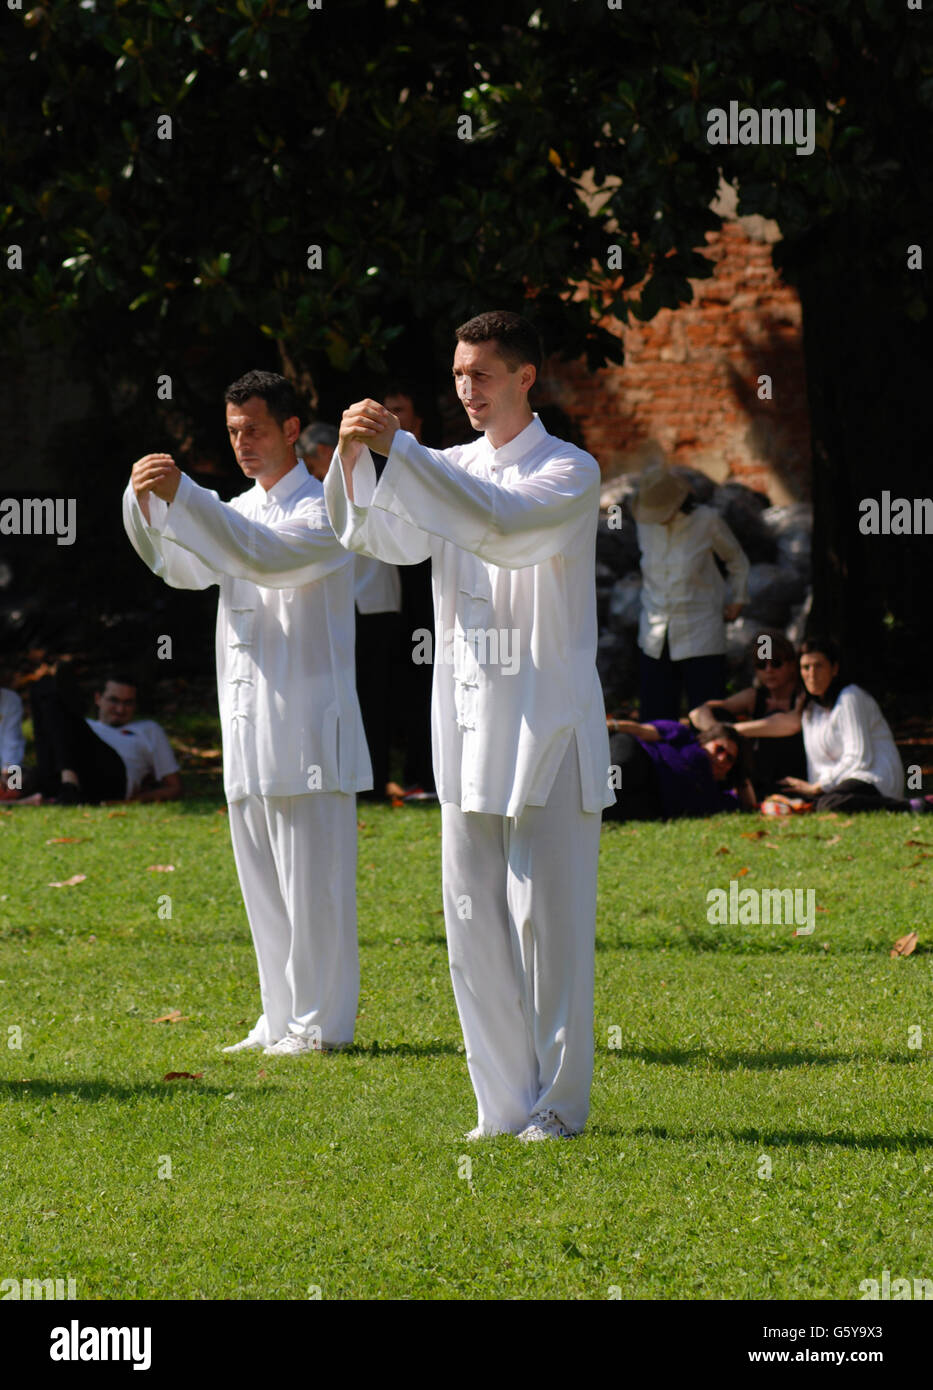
(293, 745)
(521, 751)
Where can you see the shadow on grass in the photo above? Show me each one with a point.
(783, 1138)
(403, 1049)
(754, 1061)
(687, 944)
(104, 1090)
(100, 1088)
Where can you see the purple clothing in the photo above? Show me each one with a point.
(685, 777)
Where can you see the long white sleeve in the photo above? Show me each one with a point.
(296, 550)
(364, 529)
(852, 739)
(733, 557)
(524, 523)
(177, 566)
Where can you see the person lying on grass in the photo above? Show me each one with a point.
(663, 769)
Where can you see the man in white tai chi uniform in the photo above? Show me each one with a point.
(293, 744)
(521, 753)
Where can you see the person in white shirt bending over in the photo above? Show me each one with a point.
(293, 745)
(681, 631)
(852, 759)
(521, 751)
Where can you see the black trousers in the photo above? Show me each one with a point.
(855, 795)
(376, 639)
(637, 795)
(64, 740)
(414, 682)
(662, 682)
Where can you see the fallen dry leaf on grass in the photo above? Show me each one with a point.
(724, 849)
(111, 814)
(69, 882)
(183, 1076)
(176, 1016)
(161, 869)
(71, 840)
(740, 873)
(834, 840)
(904, 945)
(754, 834)
(924, 843)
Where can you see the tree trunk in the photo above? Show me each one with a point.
(870, 383)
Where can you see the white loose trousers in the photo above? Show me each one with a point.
(296, 861)
(520, 910)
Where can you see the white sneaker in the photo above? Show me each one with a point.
(545, 1124)
(246, 1045)
(480, 1133)
(292, 1045)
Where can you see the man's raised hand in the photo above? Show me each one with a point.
(154, 473)
(366, 422)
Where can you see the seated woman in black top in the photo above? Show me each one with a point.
(777, 689)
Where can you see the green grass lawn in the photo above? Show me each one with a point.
(722, 1053)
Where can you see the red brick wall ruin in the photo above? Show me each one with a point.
(689, 384)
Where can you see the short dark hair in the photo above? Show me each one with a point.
(517, 339)
(418, 395)
(118, 676)
(280, 396)
(782, 648)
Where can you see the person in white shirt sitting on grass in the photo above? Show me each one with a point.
(111, 758)
(852, 759)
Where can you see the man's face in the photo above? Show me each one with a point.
(402, 407)
(116, 704)
(265, 450)
(722, 754)
(493, 397)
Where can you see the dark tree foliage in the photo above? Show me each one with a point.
(340, 128)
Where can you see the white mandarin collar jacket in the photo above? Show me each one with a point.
(285, 629)
(511, 533)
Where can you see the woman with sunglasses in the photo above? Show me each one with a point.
(776, 689)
